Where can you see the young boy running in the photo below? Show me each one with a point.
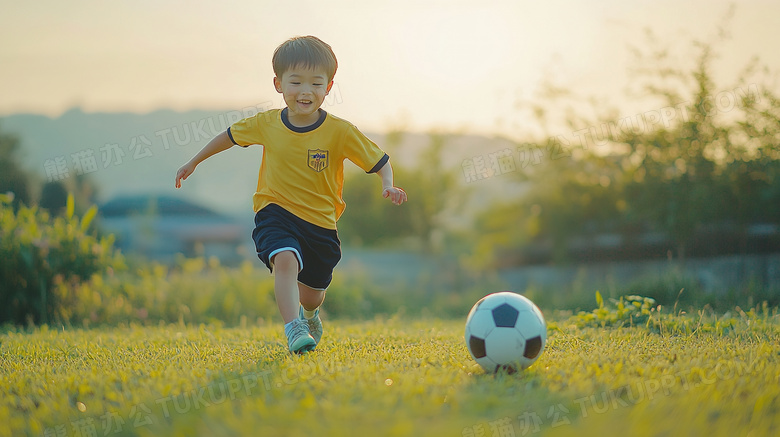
(298, 199)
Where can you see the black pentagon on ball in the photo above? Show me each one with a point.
(532, 347)
(505, 316)
(477, 346)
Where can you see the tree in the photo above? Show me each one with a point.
(12, 176)
(717, 165)
(371, 220)
(567, 197)
(705, 156)
(675, 178)
(54, 197)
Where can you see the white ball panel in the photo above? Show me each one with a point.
(529, 325)
(471, 313)
(487, 364)
(480, 324)
(519, 301)
(539, 314)
(505, 345)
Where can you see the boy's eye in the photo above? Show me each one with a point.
(295, 83)
(317, 84)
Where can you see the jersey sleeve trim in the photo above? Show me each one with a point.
(379, 164)
(231, 137)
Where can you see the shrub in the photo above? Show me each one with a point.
(39, 253)
(192, 291)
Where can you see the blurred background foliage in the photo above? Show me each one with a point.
(44, 255)
(711, 166)
(421, 223)
(709, 172)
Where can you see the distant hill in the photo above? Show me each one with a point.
(127, 154)
(138, 153)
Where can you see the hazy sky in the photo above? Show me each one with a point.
(427, 64)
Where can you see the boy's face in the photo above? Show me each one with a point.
(304, 91)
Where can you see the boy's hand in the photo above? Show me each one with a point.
(397, 195)
(184, 172)
(220, 143)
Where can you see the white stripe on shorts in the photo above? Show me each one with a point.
(283, 249)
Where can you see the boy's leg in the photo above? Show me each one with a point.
(299, 338)
(311, 299)
(286, 284)
(321, 251)
(278, 247)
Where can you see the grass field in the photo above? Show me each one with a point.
(690, 376)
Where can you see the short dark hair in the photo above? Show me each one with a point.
(304, 51)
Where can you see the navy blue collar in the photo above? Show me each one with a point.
(304, 129)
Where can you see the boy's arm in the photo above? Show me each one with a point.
(397, 195)
(218, 144)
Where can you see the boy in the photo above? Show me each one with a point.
(298, 199)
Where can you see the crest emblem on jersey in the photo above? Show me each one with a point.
(318, 159)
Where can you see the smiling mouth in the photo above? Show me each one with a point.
(304, 102)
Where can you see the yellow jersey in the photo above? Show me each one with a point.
(302, 169)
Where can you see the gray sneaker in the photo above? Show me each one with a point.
(300, 341)
(315, 324)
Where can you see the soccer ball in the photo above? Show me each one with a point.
(505, 331)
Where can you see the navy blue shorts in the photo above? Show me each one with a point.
(318, 249)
